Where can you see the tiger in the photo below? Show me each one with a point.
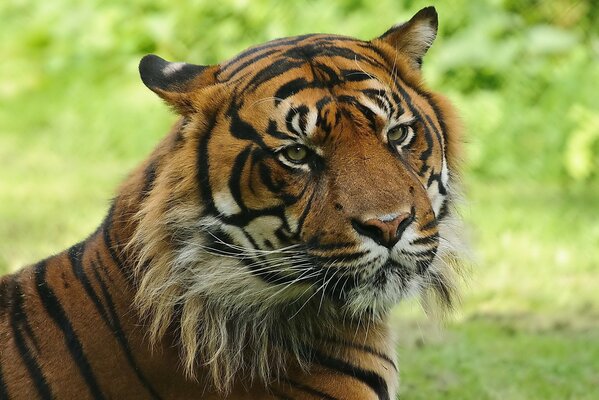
(309, 185)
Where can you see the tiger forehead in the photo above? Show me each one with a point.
(304, 85)
(287, 54)
(315, 113)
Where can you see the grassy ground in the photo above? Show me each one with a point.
(74, 118)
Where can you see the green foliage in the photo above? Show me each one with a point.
(583, 145)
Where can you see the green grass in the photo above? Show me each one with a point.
(501, 357)
(74, 119)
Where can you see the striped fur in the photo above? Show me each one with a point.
(228, 268)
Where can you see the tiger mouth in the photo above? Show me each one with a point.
(338, 283)
(337, 271)
(341, 287)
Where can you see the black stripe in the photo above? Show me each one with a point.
(57, 313)
(202, 168)
(4, 293)
(314, 244)
(302, 218)
(265, 177)
(399, 110)
(331, 49)
(326, 75)
(377, 51)
(109, 315)
(244, 218)
(274, 70)
(381, 98)
(434, 128)
(240, 128)
(303, 119)
(291, 198)
(289, 89)
(272, 277)
(75, 254)
(354, 75)
(339, 257)
(274, 131)
(444, 210)
(442, 288)
(360, 347)
(420, 116)
(19, 320)
(303, 111)
(308, 389)
(428, 138)
(437, 177)
(246, 63)
(280, 396)
(422, 265)
(276, 45)
(419, 254)
(323, 102)
(369, 378)
(3, 387)
(430, 224)
(368, 114)
(110, 246)
(236, 176)
(118, 330)
(436, 109)
(254, 158)
(149, 178)
(426, 239)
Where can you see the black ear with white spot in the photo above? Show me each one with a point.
(415, 37)
(174, 81)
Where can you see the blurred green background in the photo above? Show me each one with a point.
(75, 118)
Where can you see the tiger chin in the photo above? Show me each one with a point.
(308, 186)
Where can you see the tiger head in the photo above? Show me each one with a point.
(311, 169)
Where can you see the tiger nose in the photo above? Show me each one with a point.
(385, 232)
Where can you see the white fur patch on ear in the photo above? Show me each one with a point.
(172, 68)
(174, 81)
(159, 74)
(424, 33)
(415, 37)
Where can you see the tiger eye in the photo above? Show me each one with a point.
(296, 154)
(397, 134)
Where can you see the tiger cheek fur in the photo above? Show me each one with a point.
(307, 188)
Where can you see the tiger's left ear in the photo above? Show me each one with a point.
(175, 82)
(415, 37)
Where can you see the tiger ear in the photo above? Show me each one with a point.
(415, 37)
(174, 82)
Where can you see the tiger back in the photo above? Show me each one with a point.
(308, 187)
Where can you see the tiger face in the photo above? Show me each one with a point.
(322, 168)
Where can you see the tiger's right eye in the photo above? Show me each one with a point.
(297, 154)
(397, 134)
